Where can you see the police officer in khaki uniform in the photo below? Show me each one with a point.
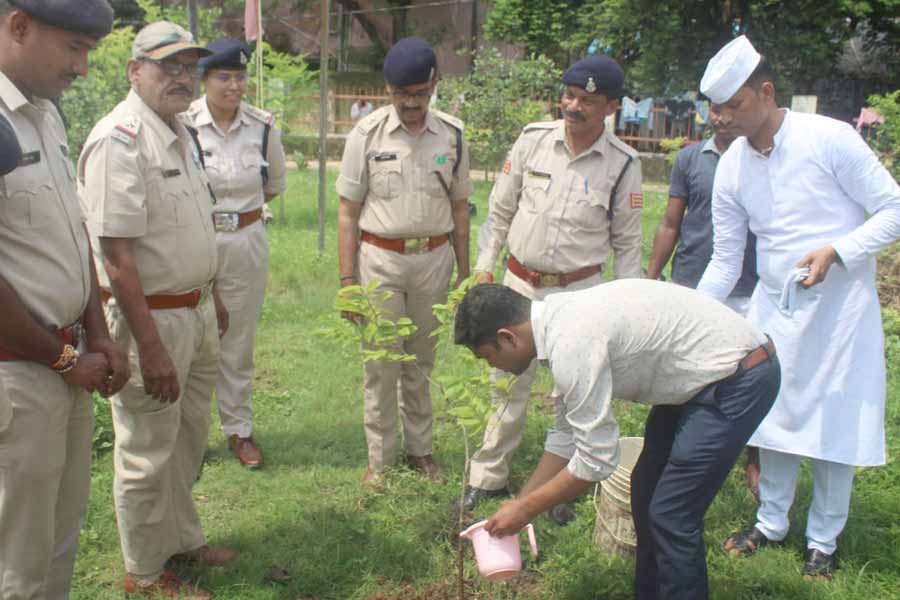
(149, 211)
(569, 195)
(54, 345)
(245, 164)
(404, 186)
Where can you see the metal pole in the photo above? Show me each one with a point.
(323, 119)
(341, 36)
(192, 19)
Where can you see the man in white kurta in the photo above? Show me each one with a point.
(804, 184)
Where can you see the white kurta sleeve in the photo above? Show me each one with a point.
(582, 371)
(730, 221)
(865, 181)
(502, 207)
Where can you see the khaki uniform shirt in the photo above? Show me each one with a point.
(553, 208)
(233, 158)
(44, 249)
(405, 182)
(139, 179)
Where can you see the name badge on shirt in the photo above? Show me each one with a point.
(30, 158)
(168, 173)
(384, 156)
(64, 150)
(539, 174)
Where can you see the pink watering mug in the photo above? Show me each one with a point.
(499, 558)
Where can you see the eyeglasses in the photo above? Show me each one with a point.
(226, 78)
(420, 96)
(175, 69)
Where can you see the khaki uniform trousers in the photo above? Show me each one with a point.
(241, 282)
(418, 281)
(490, 464)
(159, 447)
(46, 427)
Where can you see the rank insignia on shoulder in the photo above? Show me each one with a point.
(507, 167)
(126, 132)
(539, 174)
(30, 158)
(637, 200)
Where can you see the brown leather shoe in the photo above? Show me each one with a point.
(246, 451)
(425, 465)
(206, 556)
(168, 585)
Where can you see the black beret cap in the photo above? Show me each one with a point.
(10, 151)
(596, 75)
(410, 61)
(91, 17)
(227, 53)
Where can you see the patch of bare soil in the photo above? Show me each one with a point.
(888, 278)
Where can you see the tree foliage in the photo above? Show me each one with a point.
(886, 142)
(664, 45)
(497, 99)
(542, 26)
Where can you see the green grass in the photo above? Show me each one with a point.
(305, 511)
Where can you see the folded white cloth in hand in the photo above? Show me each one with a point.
(788, 300)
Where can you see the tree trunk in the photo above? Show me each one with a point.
(368, 26)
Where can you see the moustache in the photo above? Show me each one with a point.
(577, 116)
(181, 90)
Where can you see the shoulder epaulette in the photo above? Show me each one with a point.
(620, 145)
(259, 114)
(540, 125)
(455, 122)
(127, 129)
(369, 122)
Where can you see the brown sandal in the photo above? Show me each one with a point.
(746, 542)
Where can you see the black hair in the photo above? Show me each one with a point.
(762, 73)
(485, 309)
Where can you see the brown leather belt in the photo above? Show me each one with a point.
(67, 335)
(757, 356)
(163, 302)
(408, 245)
(543, 280)
(233, 221)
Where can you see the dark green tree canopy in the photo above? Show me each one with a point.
(664, 44)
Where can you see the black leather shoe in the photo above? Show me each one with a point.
(474, 495)
(819, 566)
(746, 542)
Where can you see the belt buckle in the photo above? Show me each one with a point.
(77, 330)
(549, 279)
(226, 221)
(415, 245)
(204, 293)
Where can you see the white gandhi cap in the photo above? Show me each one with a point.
(729, 69)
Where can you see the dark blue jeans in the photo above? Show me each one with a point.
(688, 453)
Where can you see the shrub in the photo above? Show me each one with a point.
(886, 142)
(497, 99)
